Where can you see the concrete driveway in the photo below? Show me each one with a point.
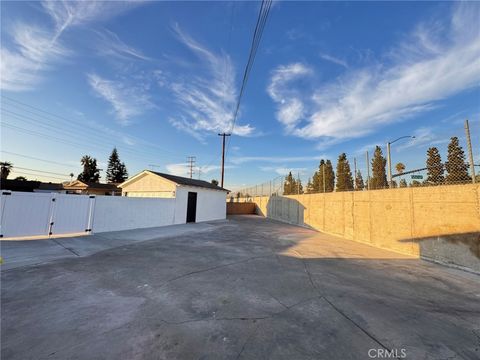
(247, 288)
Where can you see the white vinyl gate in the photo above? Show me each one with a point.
(26, 214)
(71, 214)
(34, 214)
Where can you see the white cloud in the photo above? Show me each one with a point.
(179, 169)
(34, 51)
(290, 106)
(274, 159)
(207, 102)
(434, 64)
(127, 101)
(284, 170)
(424, 136)
(183, 169)
(66, 13)
(111, 45)
(334, 60)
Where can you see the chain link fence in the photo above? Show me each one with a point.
(376, 171)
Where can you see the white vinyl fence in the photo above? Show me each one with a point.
(36, 214)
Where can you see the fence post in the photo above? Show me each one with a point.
(470, 152)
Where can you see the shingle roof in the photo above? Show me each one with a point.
(189, 182)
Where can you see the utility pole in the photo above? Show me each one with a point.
(368, 171)
(355, 173)
(470, 152)
(191, 161)
(223, 135)
(389, 166)
(323, 177)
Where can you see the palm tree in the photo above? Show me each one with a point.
(5, 168)
(400, 167)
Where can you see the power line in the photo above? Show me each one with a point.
(67, 134)
(45, 176)
(38, 159)
(70, 122)
(257, 35)
(41, 171)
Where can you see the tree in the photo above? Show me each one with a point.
(298, 187)
(329, 177)
(344, 174)
(435, 168)
(90, 171)
(403, 183)
(456, 166)
(317, 180)
(400, 167)
(21, 178)
(359, 184)
(310, 188)
(71, 176)
(415, 183)
(379, 175)
(214, 182)
(289, 184)
(5, 168)
(116, 170)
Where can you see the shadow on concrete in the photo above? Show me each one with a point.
(248, 289)
(458, 249)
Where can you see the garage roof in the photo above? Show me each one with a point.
(180, 180)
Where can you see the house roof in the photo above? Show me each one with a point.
(50, 186)
(19, 185)
(77, 184)
(180, 180)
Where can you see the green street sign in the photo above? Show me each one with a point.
(420, 177)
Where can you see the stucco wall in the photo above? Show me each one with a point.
(149, 185)
(211, 204)
(440, 223)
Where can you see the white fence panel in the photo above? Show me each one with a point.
(71, 213)
(25, 214)
(123, 213)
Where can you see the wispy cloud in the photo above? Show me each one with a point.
(35, 49)
(284, 170)
(182, 169)
(275, 159)
(207, 102)
(430, 69)
(126, 101)
(290, 105)
(424, 136)
(66, 13)
(334, 60)
(109, 44)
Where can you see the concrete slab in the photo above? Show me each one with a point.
(31, 251)
(249, 288)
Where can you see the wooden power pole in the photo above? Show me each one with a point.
(223, 135)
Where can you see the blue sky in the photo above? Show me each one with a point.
(159, 80)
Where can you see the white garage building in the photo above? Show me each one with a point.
(195, 200)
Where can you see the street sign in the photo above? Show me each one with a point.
(419, 177)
